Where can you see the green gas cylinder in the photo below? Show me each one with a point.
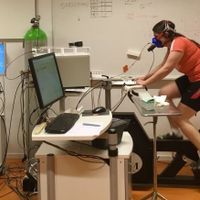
(35, 37)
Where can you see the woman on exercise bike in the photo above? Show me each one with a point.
(183, 54)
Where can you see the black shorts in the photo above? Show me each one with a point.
(190, 92)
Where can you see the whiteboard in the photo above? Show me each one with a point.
(111, 27)
(15, 17)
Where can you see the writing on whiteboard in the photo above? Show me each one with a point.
(101, 8)
(73, 4)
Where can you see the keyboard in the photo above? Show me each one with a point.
(62, 123)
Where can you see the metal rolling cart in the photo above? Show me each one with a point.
(155, 113)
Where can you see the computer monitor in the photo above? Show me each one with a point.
(46, 79)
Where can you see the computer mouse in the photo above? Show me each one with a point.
(99, 109)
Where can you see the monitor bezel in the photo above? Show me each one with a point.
(36, 83)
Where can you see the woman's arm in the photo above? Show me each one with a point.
(162, 71)
(157, 67)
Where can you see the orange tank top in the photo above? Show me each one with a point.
(190, 63)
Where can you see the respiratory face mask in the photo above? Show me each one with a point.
(157, 42)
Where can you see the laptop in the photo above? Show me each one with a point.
(74, 70)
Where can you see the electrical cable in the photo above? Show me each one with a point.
(16, 58)
(41, 117)
(22, 81)
(99, 97)
(119, 103)
(121, 100)
(22, 121)
(2, 107)
(152, 63)
(133, 63)
(2, 91)
(87, 92)
(150, 68)
(2, 119)
(10, 124)
(92, 99)
(78, 155)
(16, 189)
(18, 134)
(2, 166)
(22, 108)
(84, 95)
(34, 110)
(13, 179)
(31, 114)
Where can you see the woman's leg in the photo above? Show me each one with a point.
(172, 92)
(184, 124)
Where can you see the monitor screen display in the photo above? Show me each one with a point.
(2, 59)
(46, 79)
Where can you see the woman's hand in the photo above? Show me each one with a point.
(141, 81)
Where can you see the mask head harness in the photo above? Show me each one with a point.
(163, 28)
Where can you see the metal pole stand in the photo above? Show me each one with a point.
(113, 153)
(50, 177)
(154, 195)
(107, 87)
(62, 105)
